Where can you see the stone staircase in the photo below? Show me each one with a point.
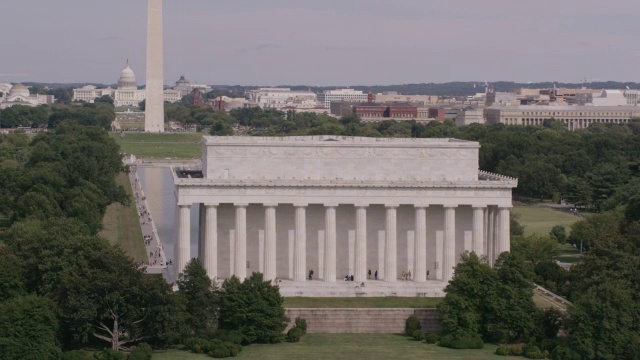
(355, 320)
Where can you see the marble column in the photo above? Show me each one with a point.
(270, 242)
(503, 242)
(478, 231)
(420, 253)
(390, 256)
(241, 242)
(361, 244)
(449, 243)
(184, 238)
(490, 235)
(329, 244)
(300, 247)
(211, 241)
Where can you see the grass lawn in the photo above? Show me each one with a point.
(540, 220)
(362, 302)
(160, 146)
(121, 225)
(348, 346)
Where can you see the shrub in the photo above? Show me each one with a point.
(220, 352)
(109, 355)
(234, 349)
(211, 345)
(563, 353)
(232, 336)
(516, 350)
(503, 351)
(418, 335)
(142, 352)
(294, 335)
(431, 338)
(195, 344)
(533, 352)
(462, 341)
(301, 324)
(412, 324)
(76, 355)
(548, 344)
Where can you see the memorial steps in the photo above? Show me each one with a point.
(371, 321)
(372, 288)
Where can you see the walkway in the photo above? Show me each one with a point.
(157, 263)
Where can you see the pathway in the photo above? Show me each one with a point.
(157, 263)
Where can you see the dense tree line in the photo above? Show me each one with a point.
(602, 323)
(100, 114)
(63, 287)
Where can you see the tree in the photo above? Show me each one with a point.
(11, 275)
(201, 298)
(220, 128)
(558, 234)
(28, 329)
(495, 303)
(254, 307)
(461, 308)
(534, 248)
(104, 99)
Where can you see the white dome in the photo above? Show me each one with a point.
(127, 79)
(19, 89)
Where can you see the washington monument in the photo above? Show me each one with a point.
(154, 109)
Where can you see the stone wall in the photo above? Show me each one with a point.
(351, 320)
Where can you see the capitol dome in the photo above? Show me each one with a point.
(19, 89)
(127, 79)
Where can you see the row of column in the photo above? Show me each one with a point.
(489, 223)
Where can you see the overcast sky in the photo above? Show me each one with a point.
(325, 42)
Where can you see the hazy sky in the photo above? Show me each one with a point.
(325, 42)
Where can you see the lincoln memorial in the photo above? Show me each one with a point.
(341, 206)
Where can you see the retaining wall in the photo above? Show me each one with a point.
(353, 320)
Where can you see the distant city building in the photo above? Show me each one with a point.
(349, 95)
(126, 95)
(632, 96)
(20, 95)
(375, 112)
(225, 103)
(394, 97)
(185, 88)
(609, 98)
(469, 115)
(281, 98)
(573, 117)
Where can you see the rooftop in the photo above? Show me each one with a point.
(325, 140)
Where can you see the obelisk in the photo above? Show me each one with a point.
(154, 109)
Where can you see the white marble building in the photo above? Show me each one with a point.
(20, 95)
(341, 206)
(126, 95)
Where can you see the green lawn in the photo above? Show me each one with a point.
(121, 225)
(160, 146)
(540, 220)
(361, 302)
(348, 346)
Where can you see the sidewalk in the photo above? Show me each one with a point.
(158, 262)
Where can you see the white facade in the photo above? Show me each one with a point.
(20, 95)
(185, 88)
(348, 95)
(126, 95)
(574, 117)
(281, 98)
(341, 206)
(609, 98)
